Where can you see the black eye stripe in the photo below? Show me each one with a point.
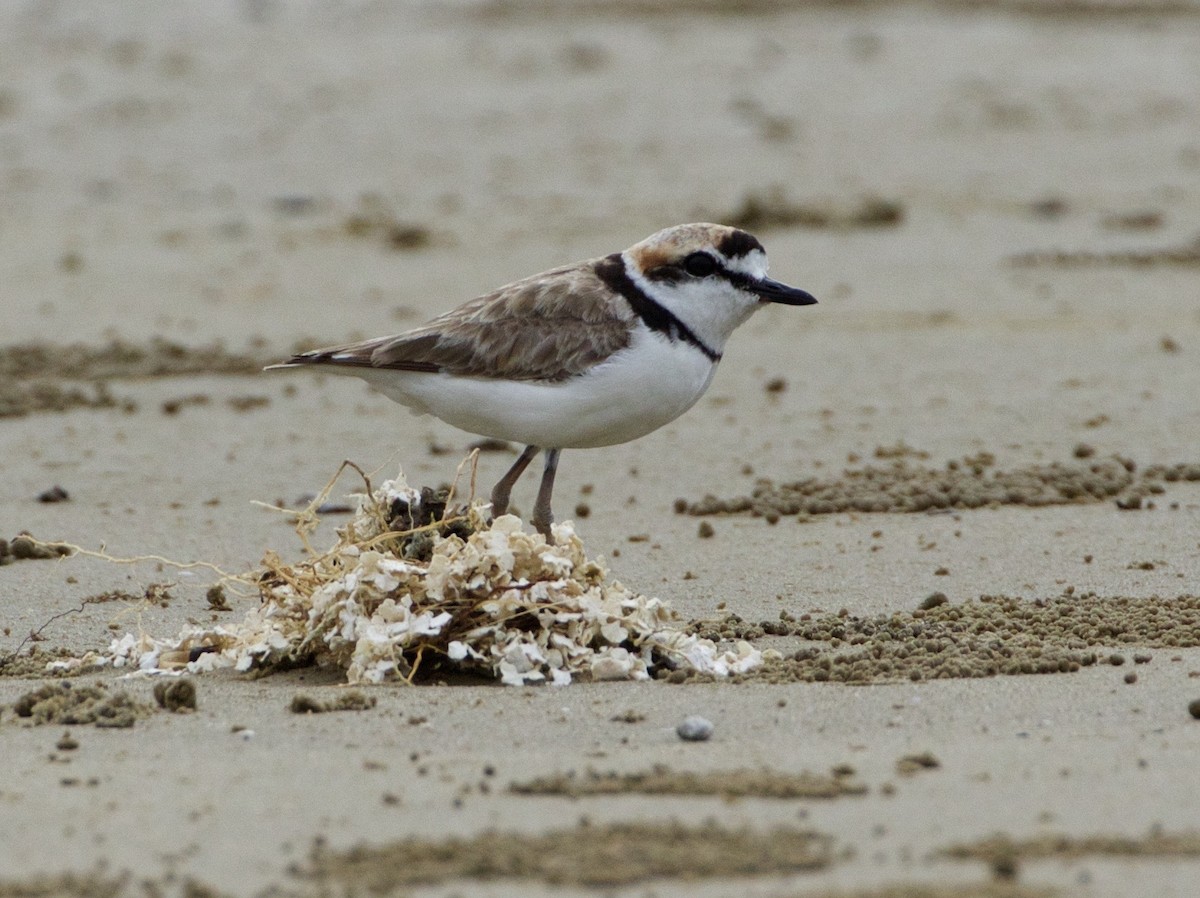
(739, 280)
(671, 273)
(675, 272)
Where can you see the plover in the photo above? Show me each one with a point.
(591, 354)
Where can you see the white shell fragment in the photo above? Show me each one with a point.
(695, 729)
(503, 602)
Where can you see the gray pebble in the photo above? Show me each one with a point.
(695, 729)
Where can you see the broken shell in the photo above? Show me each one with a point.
(492, 598)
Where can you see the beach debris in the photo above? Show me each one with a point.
(178, 696)
(1060, 846)
(353, 700)
(374, 218)
(915, 763)
(57, 377)
(74, 704)
(1173, 255)
(217, 601)
(55, 494)
(488, 444)
(662, 780)
(119, 359)
(765, 210)
(695, 729)
(589, 854)
(23, 547)
(414, 584)
(974, 481)
(983, 637)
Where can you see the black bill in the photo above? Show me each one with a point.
(773, 291)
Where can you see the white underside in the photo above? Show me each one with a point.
(638, 390)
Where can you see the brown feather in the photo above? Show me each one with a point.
(551, 327)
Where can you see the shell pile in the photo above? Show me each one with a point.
(497, 601)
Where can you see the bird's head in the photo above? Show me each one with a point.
(711, 277)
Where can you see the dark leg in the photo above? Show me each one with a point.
(503, 489)
(543, 517)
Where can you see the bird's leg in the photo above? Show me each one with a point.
(503, 489)
(543, 517)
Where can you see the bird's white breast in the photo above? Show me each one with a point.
(639, 389)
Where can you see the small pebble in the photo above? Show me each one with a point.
(706, 530)
(54, 494)
(1194, 708)
(695, 729)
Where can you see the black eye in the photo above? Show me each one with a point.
(699, 265)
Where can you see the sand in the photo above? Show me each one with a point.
(997, 206)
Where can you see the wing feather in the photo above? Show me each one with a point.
(549, 327)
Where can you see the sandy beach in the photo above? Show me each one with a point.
(998, 207)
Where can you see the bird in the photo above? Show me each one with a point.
(586, 355)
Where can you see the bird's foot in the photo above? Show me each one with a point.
(542, 525)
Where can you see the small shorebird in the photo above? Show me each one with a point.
(591, 354)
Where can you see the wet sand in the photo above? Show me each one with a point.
(997, 206)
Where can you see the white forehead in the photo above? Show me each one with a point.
(753, 264)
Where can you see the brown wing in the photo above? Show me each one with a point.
(552, 326)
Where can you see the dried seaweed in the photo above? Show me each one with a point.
(414, 585)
